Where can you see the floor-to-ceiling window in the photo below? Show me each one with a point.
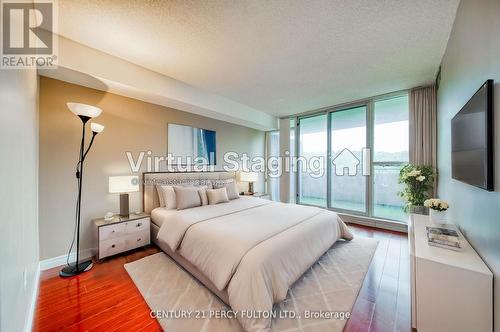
(312, 168)
(292, 197)
(390, 153)
(364, 146)
(272, 154)
(347, 140)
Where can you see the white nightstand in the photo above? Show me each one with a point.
(259, 195)
(122, 234)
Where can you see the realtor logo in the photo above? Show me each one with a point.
(28, 34)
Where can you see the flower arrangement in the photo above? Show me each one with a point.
(418, 181)
(436, 204)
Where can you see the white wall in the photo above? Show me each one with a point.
(18, 197)
(472, 56)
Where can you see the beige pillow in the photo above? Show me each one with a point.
(160, 196)
(216, 184)
(232, 190)
(166, 194)
(216, 196)
(202, 191)
(187, 197)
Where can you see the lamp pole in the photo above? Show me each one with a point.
(77, 268)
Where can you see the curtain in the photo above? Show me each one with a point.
(423, 127)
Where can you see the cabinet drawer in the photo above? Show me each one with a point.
(112, 247)
(138, 225)
(138, 239)
(112, 231)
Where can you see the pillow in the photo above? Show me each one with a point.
(166, 194)
(202, 191)
(187, 197)
(160, 196)
(232, 190)
(216, 196)
(216, 184)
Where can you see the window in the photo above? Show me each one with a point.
(347, 131)
(311, 174)
(292, 154)
(344, 136)
(390, 153)
(273, 150)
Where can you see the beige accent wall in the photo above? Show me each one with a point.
(18, 198)
(131, 125)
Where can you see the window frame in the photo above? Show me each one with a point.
(369, 103)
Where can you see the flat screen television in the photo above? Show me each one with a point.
(472, 140)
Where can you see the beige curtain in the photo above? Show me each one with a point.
(423, 127)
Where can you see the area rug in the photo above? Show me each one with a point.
(321, 300)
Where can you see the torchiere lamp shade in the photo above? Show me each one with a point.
(96, 127)
(84, 110)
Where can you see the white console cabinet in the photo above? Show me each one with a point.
(450, 290)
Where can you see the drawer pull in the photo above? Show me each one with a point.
(138, 225)
(112, 246)
(139, 239)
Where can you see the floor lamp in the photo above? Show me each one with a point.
(85, 113)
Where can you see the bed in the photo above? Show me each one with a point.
(248, 251)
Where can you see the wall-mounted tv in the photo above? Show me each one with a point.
(472, 140)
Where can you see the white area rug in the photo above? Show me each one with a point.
(330, 287)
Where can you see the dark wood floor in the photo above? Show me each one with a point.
(105, 298)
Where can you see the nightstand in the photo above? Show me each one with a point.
(122, 234)
(259, 195)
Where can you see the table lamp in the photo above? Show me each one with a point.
(123, 185)
(249, 177)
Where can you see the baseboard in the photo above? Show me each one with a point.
(61, 260)
(28, 325)
(375, 222)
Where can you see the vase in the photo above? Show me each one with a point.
(418, 209)
(438, 217)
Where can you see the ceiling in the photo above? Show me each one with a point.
(279, 57)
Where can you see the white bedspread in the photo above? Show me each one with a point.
(255, 248)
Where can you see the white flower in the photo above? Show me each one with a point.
(436, 204)
(414, 173)
(420, 178)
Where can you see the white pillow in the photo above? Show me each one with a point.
(202, 191)
(167, 197)
(232, 190)
(216, 196)
(187, 197)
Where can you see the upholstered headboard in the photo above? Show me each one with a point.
(152, 179)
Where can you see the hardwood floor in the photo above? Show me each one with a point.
(383, 303)
(106, 299)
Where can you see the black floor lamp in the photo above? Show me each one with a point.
(85, 113)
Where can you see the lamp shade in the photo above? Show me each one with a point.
(248, 176)
(96, 127)
(123, 184)
(84, 110)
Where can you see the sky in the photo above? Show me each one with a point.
(389, 137)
